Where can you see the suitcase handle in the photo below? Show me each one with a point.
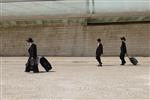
(127, 55)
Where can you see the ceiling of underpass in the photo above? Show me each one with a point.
(25, 9)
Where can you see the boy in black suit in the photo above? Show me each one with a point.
(99, 52)
(123, 50)
(32, 57)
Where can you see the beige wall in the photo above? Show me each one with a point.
(76, 40)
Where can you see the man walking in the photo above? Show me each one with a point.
(99, 52)
(123, 51)
(32, 61)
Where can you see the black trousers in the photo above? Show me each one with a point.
(31, 68)
(98, 58)
(122, 57)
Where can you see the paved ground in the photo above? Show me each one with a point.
(76, 79)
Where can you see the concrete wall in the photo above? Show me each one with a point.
(76, 40)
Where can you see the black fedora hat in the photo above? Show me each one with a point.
(123, 38)
(30, 40)
(99, 40)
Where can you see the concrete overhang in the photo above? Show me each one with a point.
(58, 22)
(11, 1)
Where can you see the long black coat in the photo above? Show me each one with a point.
(32, 51)
(99, 50)
(123, 48)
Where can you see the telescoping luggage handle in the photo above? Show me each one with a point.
(127, 55)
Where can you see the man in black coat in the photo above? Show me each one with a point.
(123, 50)
(99, 52)
(32, 57)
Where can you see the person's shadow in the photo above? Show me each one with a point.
(46, 71)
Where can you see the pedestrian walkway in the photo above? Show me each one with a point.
(76, 78)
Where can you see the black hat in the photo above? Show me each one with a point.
(99, 40)
(30, 40)
(123, 38)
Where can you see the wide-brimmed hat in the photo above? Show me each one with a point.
(30, 40)
(123, 38)
(99, 40)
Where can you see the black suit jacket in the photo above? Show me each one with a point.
(99, 50)
(33, 51)
(123, 48)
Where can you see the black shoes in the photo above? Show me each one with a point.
(123, 63)
(100, 65)
(36, 72)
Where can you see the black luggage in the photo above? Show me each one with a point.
(133, 60)
(45, 63)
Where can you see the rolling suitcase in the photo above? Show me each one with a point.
(45, 63)
(133, 60)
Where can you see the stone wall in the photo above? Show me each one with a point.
(76, 39)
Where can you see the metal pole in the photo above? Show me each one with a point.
(87, 6)
(93, 7)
